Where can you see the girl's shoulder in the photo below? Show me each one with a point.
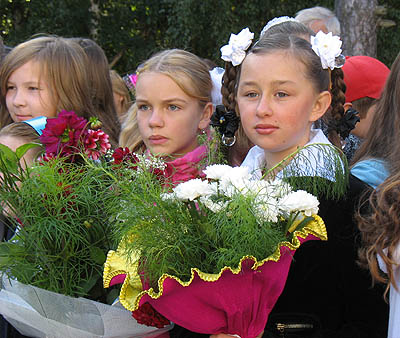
(372, 171)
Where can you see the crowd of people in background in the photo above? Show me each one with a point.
(284, 100)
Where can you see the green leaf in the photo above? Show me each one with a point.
(303, 223)
(8, 253)
(22, 150)
(97, 255)
(89, 284)
(9, 158)
(112, 296)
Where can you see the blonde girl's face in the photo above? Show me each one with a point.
(28, 95)
(277, 103)
(169, 120)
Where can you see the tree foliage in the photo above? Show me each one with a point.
(131, 30)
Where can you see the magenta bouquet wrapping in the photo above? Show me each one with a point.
(213, 255)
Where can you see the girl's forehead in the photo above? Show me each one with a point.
(275, 61)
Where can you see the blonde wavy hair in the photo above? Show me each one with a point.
(187, 70)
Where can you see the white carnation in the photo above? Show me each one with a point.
(213, 206)
(267, 211)
(217, 171)
(234, 181)
(299, 201)
(190, 190)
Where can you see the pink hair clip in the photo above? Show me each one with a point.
(130, 81)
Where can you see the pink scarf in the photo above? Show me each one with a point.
(187, 167)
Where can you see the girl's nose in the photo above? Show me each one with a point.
(263, 107)
(156, 119)
(18, 98)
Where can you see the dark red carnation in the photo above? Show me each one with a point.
(147, 315)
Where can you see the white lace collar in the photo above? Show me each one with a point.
(314, 166)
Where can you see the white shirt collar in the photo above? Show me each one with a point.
(312, 164)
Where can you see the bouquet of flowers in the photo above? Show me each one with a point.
(51, 283)
(211, 254)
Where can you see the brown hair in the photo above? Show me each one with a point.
(380, 140)
(187, 70)
(362, 105)
(380, 229)
(63, 67)
(98, 72)
(119, 87)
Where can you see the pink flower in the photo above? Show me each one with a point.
(96, 143)
(62, 134)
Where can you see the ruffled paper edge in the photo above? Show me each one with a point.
(130, 296)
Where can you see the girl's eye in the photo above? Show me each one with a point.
(143, 107)
(252, 94)
(33, 88)
(281, 94)
(173, 107)
(10, 87)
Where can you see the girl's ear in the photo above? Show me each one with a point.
(347, 105)
(206, 116)
(321, 105)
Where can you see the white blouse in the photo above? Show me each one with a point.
(313, 161)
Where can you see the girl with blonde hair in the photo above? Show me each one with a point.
(173, 105)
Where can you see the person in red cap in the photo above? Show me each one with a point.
(365, 79)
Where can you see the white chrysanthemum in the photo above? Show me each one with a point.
(190, 190)
(217, 171)
(235, 51)
(327, 47)
(235, 181)
(267, 211)
(213, 206)
(299, 201)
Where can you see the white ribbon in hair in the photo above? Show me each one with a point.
(216, 77)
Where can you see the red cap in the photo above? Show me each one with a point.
(364, 76)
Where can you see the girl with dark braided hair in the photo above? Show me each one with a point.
(280, 89)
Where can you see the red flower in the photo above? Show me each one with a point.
(96, 143)
(147, 315)
(62, 134)
(122, 155)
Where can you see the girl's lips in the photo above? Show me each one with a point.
(23, 117)
(265, 129)
(157, 139)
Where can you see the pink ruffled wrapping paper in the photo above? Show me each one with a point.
(234, 304)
